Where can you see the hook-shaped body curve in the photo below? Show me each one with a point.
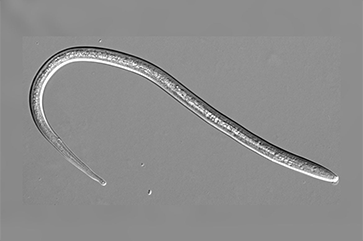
(175, 89)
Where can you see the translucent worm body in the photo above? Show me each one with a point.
(171, 86)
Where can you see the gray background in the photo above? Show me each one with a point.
(296, 92)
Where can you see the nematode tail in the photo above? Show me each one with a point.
(171, 86)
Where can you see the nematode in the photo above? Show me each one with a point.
(171, 86)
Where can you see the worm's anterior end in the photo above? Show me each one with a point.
(103, 183)
(336, 180)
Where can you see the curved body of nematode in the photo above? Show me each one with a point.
(171, 86)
